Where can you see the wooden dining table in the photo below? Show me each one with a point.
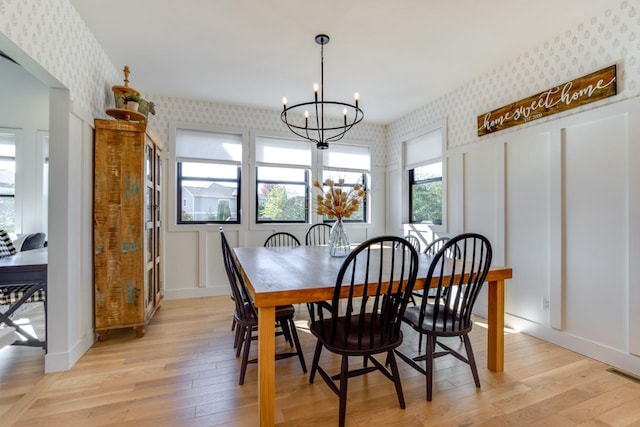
(26, 270)
(292, 275)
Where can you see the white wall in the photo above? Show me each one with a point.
(53, 45)
(24, 106)
(558, 197)
(578, 255)
(527, 220)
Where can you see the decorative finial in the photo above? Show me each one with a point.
(126, 75)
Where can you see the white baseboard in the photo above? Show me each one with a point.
(55, 362)
(196, 292)
(611, 356)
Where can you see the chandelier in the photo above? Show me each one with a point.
(314, 128)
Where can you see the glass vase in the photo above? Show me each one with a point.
(338, 240)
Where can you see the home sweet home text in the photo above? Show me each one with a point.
(584, 90)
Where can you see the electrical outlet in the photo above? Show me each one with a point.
(544, 303)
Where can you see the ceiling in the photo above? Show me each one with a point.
(398, 55)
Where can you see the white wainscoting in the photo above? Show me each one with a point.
(565, 196)
(527, 220)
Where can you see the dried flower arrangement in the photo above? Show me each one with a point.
(337, 202)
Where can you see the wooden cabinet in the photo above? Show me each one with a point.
(127, 234)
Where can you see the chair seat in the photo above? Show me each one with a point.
(439, 326)
(282, 312)
(13, 293)
(349, 338)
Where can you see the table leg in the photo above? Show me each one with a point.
(495, 353)
(266, 365)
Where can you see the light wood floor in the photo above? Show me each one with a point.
(185, 373)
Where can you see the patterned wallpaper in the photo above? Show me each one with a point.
(606, 39)
(236, 116)
(53, 34)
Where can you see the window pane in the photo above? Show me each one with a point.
(7, 214)
(7, 177)
(281, 203)
(282, 193)
(209, 189)
(427, 202)
(7, 181)
(350, 178)
(431, 171)
(209, 201)
(7, 147)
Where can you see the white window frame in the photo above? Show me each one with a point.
(288, 165)
(432, 155)
(17, 194)
(366, 171)
(172, 178)
(248, 180)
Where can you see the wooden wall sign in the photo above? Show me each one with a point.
(581, 91)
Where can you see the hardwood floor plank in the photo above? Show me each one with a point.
(184, 372)
(625, 414)
(602, 403)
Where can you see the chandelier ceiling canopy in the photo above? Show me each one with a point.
(311, 124)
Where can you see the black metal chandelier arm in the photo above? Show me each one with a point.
(294, 128)
(359, 115)
(344, 130)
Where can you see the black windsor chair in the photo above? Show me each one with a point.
(246, 315)
(281, 238)
(448, 314)
(318, 235)
(369, 324)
